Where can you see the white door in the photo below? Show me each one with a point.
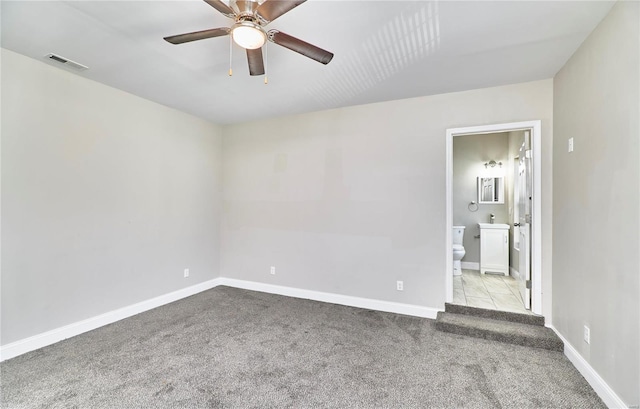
(524, 187)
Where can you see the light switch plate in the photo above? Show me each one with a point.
(587, 335)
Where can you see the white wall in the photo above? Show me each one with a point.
(350, 200)
(106, 197)
(596, 263)
(470, 153)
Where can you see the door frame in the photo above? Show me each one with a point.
(535, 127)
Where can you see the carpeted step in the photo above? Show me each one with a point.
(496, 315)
(498, 330)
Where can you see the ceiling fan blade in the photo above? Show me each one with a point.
(256, 63)
(299, 46)
(272, 9)
(197, 35)
(222, 8)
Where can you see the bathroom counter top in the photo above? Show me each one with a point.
(500, 226)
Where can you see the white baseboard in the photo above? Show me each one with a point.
(368, 303)
(598, 384)
(50, 337)
(56, 335)
(514, 273)
(470, 265)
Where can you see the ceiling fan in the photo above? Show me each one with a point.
(251, 16)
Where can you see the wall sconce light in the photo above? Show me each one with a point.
(492, 163)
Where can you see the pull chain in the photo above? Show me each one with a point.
(266, 62)
(230, 55)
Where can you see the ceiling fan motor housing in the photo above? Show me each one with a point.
(245, 8)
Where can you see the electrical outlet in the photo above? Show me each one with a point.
(570, 145)
(186, 272)
(273, 270)
(587, 335)
(399, 286)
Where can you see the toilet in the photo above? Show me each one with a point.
(458, 249)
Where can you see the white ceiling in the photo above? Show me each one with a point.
(384, 50)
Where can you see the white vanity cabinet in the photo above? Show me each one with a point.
(494, 248)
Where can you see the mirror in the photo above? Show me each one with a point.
(490, 190)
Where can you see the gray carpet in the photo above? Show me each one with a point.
(235, 348)
(528, 319)
(535, 336)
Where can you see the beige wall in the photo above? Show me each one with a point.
(470, 152)
(106, 198)
(596, 227)
(348, 201)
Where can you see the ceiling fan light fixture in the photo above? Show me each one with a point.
(248, 35)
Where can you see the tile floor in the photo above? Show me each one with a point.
(490, 291)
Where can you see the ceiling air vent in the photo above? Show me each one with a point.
(67, 62)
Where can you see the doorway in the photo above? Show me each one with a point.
(527, 228)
